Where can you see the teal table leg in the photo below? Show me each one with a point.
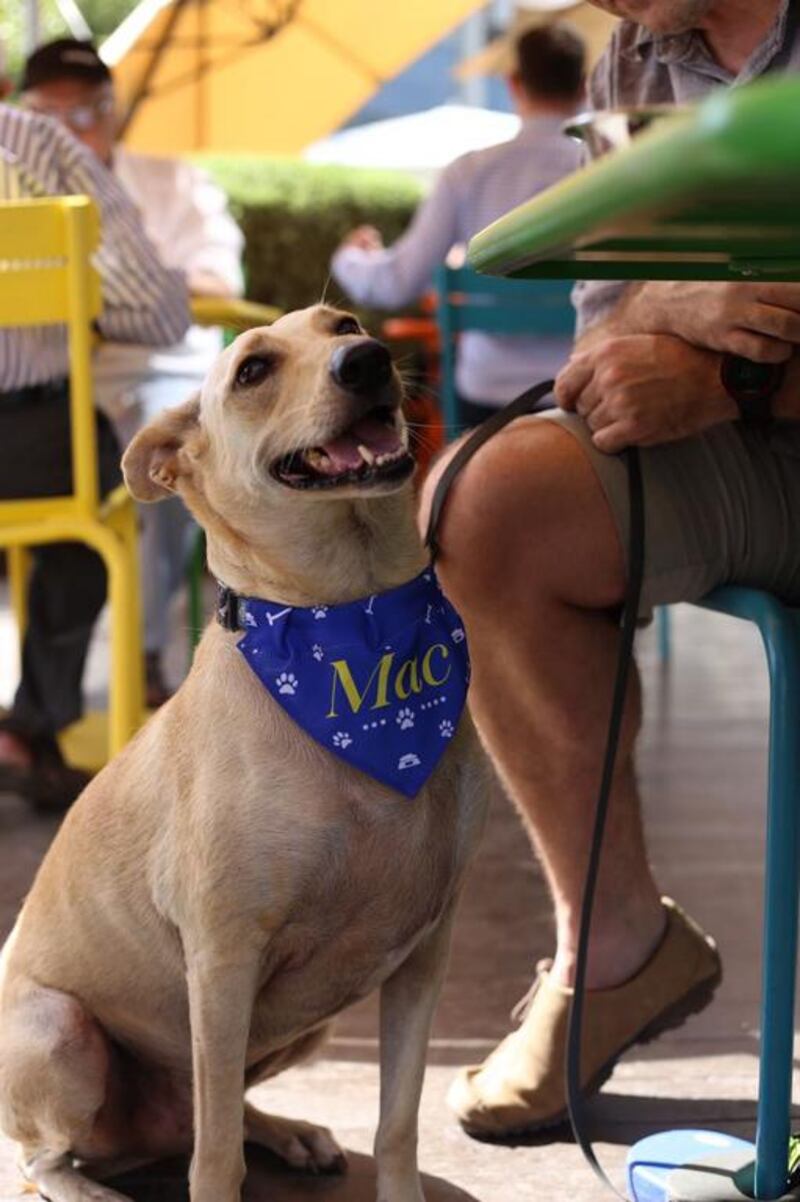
(780, 630)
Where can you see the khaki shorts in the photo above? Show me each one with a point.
(722, 508)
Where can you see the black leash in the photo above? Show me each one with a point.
(527, 402)
(575, 1099)
(530, 402)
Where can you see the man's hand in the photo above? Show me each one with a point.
(365, 237)
(759, 321)
(641, 390)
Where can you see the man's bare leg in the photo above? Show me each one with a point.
(532, 561)
(531, 558)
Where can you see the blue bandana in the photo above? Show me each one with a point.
(379, 682)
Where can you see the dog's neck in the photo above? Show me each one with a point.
(320, 551)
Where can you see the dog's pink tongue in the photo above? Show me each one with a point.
(369, 432)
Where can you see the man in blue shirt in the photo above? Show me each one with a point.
(546, 87)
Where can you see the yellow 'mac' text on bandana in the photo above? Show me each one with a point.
(380, 682)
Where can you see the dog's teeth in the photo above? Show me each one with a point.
(366, 454)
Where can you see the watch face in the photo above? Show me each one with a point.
(752, 377)
(743, 378)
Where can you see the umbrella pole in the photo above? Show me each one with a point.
(32, 25)
(74, 20)
(474, 36)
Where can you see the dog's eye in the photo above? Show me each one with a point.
(347, 325)
(254, 369)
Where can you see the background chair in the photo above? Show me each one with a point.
(46, 278)
(468, 301)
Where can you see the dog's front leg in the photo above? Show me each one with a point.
(408, 1000)
(221, 993)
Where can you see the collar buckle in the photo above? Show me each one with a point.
(227, 608)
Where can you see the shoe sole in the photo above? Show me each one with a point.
(693, 1002)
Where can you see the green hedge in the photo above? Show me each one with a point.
(294, 214)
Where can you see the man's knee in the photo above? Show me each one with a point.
(527, 500)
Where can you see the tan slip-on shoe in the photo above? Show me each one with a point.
(519, 1089)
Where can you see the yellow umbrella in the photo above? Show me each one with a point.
(262, 75)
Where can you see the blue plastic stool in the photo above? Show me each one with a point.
(780, 631)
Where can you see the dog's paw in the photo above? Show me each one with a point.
(303, 1146)
(405, 718)
(446, 729)
(287, 683)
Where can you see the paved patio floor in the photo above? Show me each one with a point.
(702, 770)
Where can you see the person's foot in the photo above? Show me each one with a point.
(156, 690)
(519, 1089)
(34, 769)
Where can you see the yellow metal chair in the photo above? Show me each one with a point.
(46, 278)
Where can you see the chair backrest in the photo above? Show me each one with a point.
(47, 279)
(521, 308)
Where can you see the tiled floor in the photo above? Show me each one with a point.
(702, 769)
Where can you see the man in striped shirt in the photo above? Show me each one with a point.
(143, 302)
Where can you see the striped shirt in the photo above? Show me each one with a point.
(142, 300)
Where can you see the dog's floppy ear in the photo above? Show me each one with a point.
(155, 458)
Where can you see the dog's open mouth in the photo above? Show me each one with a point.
(371, 451)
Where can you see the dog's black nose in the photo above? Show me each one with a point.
(361, 366)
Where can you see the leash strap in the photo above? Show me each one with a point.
(529, 402)
(575, 1099)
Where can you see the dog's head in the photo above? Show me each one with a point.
(291, 416)
(309, 404)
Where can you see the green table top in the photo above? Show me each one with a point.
(713, 193)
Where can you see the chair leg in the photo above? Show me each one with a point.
(18, 560)
(782, 881)
(126, 684)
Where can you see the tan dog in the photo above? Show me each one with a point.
(226, 886)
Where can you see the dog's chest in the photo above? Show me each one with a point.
(375, 885)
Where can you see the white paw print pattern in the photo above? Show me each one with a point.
(320, 611)
(446, 729)
(405, 719)
(248, 619)
(317, 652)
(409, 760)
(458, 635)
(287, 683)
(342, 739)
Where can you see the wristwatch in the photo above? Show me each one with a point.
(751, 385)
